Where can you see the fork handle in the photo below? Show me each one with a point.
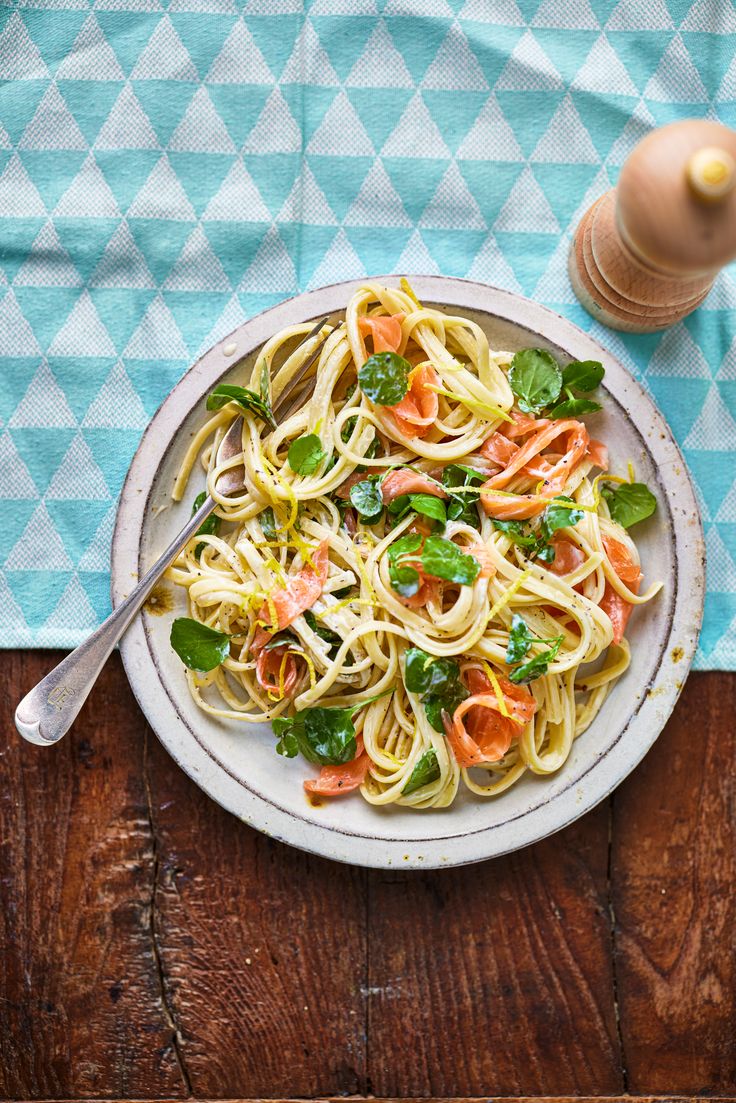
(49, 710)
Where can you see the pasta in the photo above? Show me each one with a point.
(423, 584)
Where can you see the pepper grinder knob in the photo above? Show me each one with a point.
(647, 252)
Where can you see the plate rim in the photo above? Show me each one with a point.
(326, 841)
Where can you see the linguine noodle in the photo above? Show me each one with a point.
(321, 610)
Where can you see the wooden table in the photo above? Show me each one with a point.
(156, 947)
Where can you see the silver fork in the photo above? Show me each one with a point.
(45, 714)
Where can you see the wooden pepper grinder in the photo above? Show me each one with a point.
(647, 252)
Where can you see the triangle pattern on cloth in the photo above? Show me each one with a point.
(455, 66)
(40, 547)
(48, 264)
(97, 554)
(380, 65)
(232, 316)
(341, 133)
(652, 16)
(676, 79)
(88, 195)
(452, 206)
(602, 71)
(16, 482)
(490, 266)
(554, 284)
(19, 197)
(272, 269)
(157, 337)
(528, 68)
(127, 126)
(309, 64)
(526, 209)
(91, 57)
(73, 608)
(122, 264)
(566, 139)
(201, 130)
(20, 58)
(197, 268)
(239, 60)
(53, 125)
(417, 258)
(716, 18)
(237, 199)
(720, 567)
(78, 478)
(416, 134)
(276, 130)
(165, 57)
(83, 333)
(16, 335)
(117, 406)
(490, 138)
(714, 429)
(678, 355)
(574, 15)
(340, 262)
(162, 196)
(306, 203)
(377, 203)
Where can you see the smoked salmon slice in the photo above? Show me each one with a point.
(299, 594)
(419, 406)
(333, 780)
(613, 605)
(385, 329)
(488, 734)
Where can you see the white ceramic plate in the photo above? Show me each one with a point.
(237, 764)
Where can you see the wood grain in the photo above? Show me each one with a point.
(673, 877)
(153, 946)
(504, 970)
(263, 949)
(81, 1011)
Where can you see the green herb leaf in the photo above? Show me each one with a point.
(248, 400)
(535, 379)
(404, 578)
(306, 454)
(629, 503)
(324, 735)
(443, 559)
(426, 770)
(573, 407)
(323, 631)
(288, 744)
(462, 505)
(439, 682)
(268, 523)
(520, 640)
(366, 497)
(347, 431)
(445, 700)
(406, 545)
(384, 378)
(265, 384)
(582, 375)
(210, 527)
(424, 673)
(199, 647)
(536, 666)
(559, 517)
(429, 505)
(282, 639)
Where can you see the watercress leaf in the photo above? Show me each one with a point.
(573, 407)
(465, 512)
(198, 647)
(429, 505)
(520, 640)
(404, 580)
(582, 375)
(535, 379)
(384, 378)
(558, 516)
(426, 770)
(265, 383)
(321, 629)
(287, 744)
(347, 431)
(306, 454)
(444, 700)
(248, 400)
(399, 507)
(329, 734)
(268, 523)
(535, 667)
(210, 527)
(546, 552)
(511, 528)
(366, 497)
(423, 672)
(458, 474)
(405, 545)
(443, 559)
(629, 503)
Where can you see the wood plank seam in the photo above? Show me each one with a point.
(176, 1035)
(614, 972)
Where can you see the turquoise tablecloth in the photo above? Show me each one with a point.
(168, 169)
